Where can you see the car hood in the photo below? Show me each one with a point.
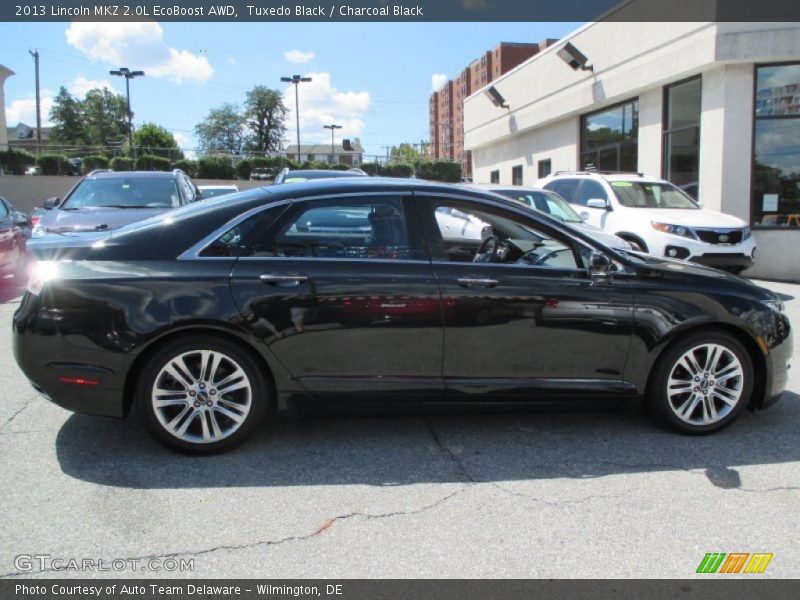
(607, 239)
(93, 219)
(689, 217)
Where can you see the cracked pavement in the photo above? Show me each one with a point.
(535, 494)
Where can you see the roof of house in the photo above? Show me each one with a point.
(22, 131)
(323, 148)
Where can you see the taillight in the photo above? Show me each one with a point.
(39, 273)
(34, 221)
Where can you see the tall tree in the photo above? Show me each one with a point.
(221, 131)
(66, 115)
(404, 152)
(265, 114)
(105, 116)
(155, 140)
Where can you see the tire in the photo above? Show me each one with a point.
(697, 404)
(195, 415)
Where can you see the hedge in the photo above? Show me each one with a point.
(121, 163)
(215, 167)
(151, 162)
(244, 168)
(371, 168)
(440, 171)
(16, 160)
(398, 170)
(53, 164)
(187, 166)
(90, 163)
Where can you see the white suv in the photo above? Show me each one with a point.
(657, 217)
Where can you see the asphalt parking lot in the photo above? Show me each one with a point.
(544, 494)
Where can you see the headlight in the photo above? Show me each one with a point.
(746, 233)
(775, 304)
(673, 229)
(40, 273)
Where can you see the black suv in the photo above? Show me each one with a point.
(105, 200)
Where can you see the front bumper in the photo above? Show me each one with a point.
(724, 260)
(740, 255)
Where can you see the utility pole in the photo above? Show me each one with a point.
(35, 55)
(333, 148)
(297, 80)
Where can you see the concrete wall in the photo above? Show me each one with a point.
(28, 192)
(5, 73)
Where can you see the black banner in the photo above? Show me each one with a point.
(390, 589)
(400, 10)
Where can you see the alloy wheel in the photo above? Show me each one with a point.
(705, 384)
(201, 396)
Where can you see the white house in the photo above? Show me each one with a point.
(714, 107)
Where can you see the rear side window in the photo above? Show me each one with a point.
(238, 240)
(591, 190)
(566, 188)
(362, 228)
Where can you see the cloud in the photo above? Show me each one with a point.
(81, 85)
(437, 81)
(23, 110)
(298, 56)
(322, 104)
(181, 139)
(138, 46)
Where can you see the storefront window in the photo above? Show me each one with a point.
(609, 138)
(682, 133)
(776, 160)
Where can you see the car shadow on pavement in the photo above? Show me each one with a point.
(10, 289)
(413, 449)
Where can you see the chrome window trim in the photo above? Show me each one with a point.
(193, 253)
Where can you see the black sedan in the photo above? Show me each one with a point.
(205, 317)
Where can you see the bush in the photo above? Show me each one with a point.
(53, 164)
(341, 167)
(151, 162)
(90, 163)
(372, 168)
(187, 166)
(440, 170)
(215, 167)
(16, 160)
(398, 170)
(244, 168)
(121, 163)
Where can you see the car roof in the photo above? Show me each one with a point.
(323, 172)
(132, 174)
(495, 187)
(608, 176)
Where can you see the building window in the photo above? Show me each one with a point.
(311, 158)
(494, 177)
(609, 138)
(682, 133)
(516, 175)
(545, 168)
(775, 196)
(331, 159)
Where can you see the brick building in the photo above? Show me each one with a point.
(446, 106)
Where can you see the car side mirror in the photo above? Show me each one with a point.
(597, 203)
(51, 203)
(599, 265)
(21, 219)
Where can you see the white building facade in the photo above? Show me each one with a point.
(5, 73)
(712, 107)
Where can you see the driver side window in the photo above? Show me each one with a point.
(477, 234)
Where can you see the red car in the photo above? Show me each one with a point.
(13, 227)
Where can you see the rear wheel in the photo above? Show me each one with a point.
(201, 395)
(702, 383)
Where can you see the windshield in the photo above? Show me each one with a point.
(548, 203)
(124, 192)
(641, 194)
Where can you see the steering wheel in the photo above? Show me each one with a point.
(487, 251)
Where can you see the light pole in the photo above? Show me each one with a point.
(297, 80)
(333, 150)
(128, 75)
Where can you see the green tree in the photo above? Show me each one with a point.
(404, 153)
(154, 140)
(105, 117)
(265, 116)
(221, 131)
(66, 115)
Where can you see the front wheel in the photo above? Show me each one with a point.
(702, 383)
(201, 395)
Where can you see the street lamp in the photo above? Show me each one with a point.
(297, 80)
(128, 75)
(333, 150)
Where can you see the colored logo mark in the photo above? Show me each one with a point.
(734, 562)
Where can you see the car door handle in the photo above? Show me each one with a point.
(272, 279)
(468, 282)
